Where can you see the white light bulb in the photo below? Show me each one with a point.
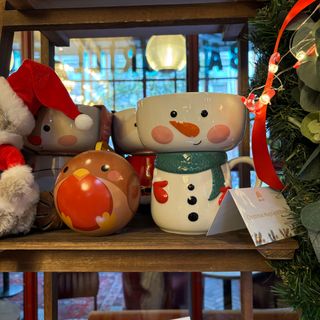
(300, 55)
(273, 68)
(264, 99)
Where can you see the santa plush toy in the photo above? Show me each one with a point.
(21, 95)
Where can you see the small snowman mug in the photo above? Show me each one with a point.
(190, 133)
(126, 141)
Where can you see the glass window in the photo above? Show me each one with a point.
(114, 72)
(218, 64)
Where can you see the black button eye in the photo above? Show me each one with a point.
(46, 128)
(191, 187)
(105, 167)
(65, 169)
(173, 114)
(135, 124)
(204, 113)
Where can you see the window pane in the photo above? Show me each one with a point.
(114, 72)
(160, 87)
(127, 93)
(218, 64)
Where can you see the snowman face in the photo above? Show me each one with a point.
(124, 132)
(191, 122)
(56, 133)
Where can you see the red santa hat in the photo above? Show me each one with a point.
(34, 85)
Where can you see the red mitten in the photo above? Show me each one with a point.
(160, 194)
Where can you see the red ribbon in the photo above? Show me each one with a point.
(223, 190)
(261, 157)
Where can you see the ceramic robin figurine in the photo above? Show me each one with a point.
(21, 95)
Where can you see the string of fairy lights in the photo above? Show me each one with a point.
(304, 49)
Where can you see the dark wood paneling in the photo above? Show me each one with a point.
(126, 17)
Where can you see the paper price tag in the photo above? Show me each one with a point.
(263, 211)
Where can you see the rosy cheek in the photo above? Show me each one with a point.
(218, 133)
(35, 140)
(67, 140)
(162, 134)
(114, 176)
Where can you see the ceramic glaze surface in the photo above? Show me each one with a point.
(143, 164)
(125, 134)
(55, 133)
(187, 192)
(126, 141)
(191, 122)
(180, 202)
(46, 169)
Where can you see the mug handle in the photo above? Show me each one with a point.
(243, 159)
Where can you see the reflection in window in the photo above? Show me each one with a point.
(114, 72)
(218, 64)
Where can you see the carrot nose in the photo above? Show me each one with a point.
(186, 128)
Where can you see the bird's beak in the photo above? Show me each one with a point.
(81, 173)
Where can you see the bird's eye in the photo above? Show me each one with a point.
(204, 113)
(105, 167)
(135, 124)
(46, 128)
(173, 114)
(65, 169)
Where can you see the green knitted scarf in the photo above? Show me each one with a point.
(194, 162)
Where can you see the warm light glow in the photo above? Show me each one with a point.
(60, 70)
(166, 52)
(301, 55)
(273, 68)
(264, 99)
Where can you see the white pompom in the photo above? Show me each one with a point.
(83, 122)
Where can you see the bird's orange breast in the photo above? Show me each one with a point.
(83, 200)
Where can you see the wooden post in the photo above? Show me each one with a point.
(243, 85)
(50, 292)
(192, 63)
(27, 45)
(30, 296)
(246, 290)
(47, 51)
(6, 41)
(196, 295)
(192, 86)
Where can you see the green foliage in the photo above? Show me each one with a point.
(301, 276)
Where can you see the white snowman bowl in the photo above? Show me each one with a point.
(192, 121)
(125, 136)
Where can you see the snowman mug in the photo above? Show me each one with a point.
(188, 188)
(190, 133)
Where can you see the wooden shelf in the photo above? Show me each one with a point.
(61, 20)
(142, 246)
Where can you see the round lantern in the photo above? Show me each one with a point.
(97, 193)
(166, 52)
